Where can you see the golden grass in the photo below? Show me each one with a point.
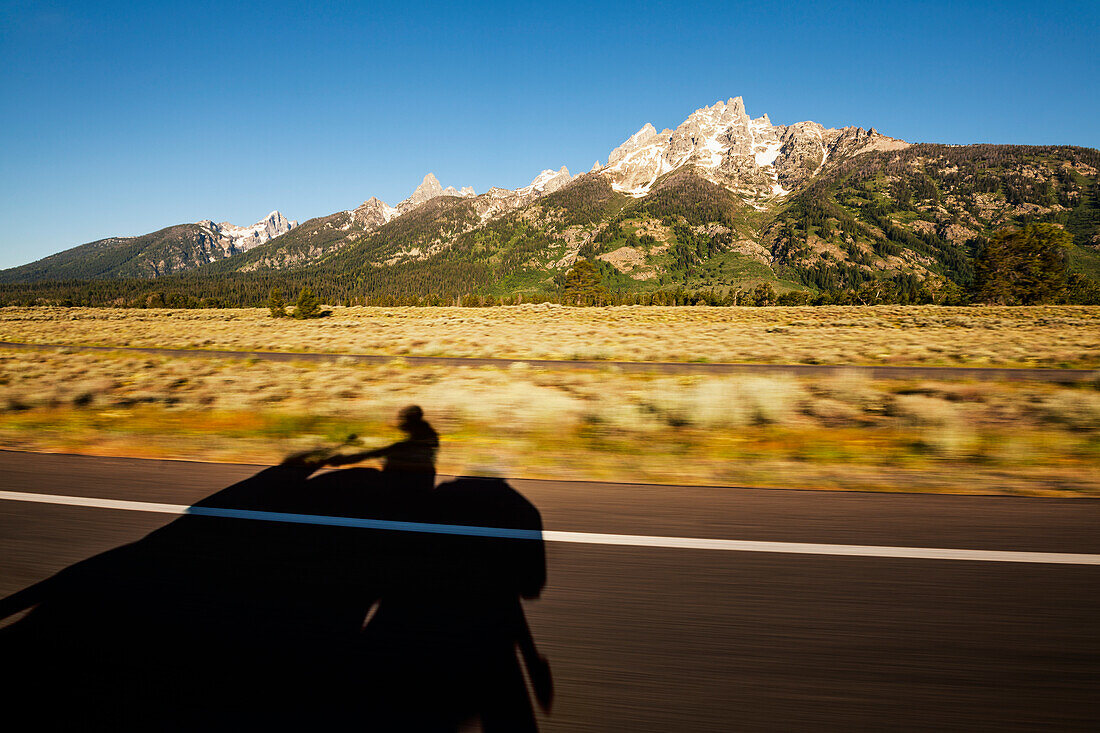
(928, 335)
(843, 432)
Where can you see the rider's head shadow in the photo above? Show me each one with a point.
(272, 589)
(408, 464)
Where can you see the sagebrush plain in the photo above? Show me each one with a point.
(846, 431)
(928, 335)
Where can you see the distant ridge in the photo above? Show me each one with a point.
(167, 251)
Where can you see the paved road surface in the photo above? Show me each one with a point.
(983, 374)
(659, 639)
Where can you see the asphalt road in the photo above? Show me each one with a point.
(660, 639)
(982, 374)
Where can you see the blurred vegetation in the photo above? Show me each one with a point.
(1023, 267)
(842, 432)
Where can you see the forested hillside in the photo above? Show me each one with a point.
(159, 253)
(902, 225)
(925, 212)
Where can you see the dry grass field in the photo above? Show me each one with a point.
(844, 432)
(1064, 336)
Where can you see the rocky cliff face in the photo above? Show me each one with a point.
(373, 213)
(751, 157)
(498, 201)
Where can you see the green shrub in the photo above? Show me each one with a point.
(309, 306)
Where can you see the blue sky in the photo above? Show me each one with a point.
(125, 118)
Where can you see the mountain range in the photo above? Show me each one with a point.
(722, 202)
(164, 252)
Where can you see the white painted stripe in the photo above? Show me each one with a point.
(131, 506)
(584, 538)
(811, 548)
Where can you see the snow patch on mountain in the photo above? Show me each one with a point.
(768, 155)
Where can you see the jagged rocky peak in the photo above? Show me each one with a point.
(372, 203)
(275, 223)
(723, 113)
(374, 212)
(429, 189)
(548, 181)
(233, 238)
(752, 157)
(497, 201)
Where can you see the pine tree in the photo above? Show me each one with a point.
(582, 285)
(275, 303)
(1023, 266)
(764, 294)
(308, 305)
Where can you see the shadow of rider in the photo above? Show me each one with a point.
(409, 462)
(224, 618)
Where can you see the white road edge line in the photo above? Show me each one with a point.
(584, 538)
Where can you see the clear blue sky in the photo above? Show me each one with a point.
(125, 118)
